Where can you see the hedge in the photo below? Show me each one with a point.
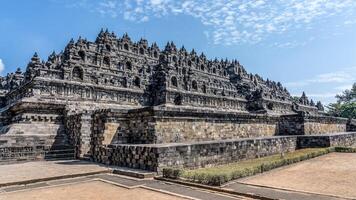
(345, 149)
(219, 175)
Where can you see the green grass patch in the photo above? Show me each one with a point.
(221, 174)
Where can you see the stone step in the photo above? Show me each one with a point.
(55, 153)
(60, 154)
(61, 147)
(66, 156)
(136, 173)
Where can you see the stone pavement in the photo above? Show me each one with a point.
(333, 173)
(80, 191)
(100, 186)
(74, 179)
(332, 176)
(272, 193)
(30, 171)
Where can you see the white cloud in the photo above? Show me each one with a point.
(233, 22)
(325, 97)
(108, 8)
(344, 87)
(346, 75)
(2, 66)
(336, 77)
(322, 95)
(292, 43)
(350, 22)
(328, 84)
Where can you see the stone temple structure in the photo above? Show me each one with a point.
(127, 103)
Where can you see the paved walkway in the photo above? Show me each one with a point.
(273, 193)
(22, 172)
(107, 187)
(80, 191)
(72, 179)
(330, 176)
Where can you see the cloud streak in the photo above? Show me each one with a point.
(232, 22)
(329, 84)
(2, 66)
(346, 75)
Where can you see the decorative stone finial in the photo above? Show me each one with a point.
(35, 58)
(312, 102)
(18, 70)
(304, 95)
(320, 106)
(126, 36)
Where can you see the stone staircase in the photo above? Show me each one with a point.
(32, 153)
(34, 141)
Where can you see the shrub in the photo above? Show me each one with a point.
(172, 173)
(219, 175)
(345, 149)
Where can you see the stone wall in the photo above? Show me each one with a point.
(73, 126)
(206, 101)
(174, 125)
(107, 126)
(351, 125)
(79, 129)
(343, 139)
(34, 141)
(34, 131)
(327, 140)
(155, 157)
(291, 125)
(34, 147)
(167, 125)
(307, 125)
(320, 128)
(183, 130)
(140, 128)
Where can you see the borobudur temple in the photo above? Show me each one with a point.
(126, 103)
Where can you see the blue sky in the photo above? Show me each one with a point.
(308, 45)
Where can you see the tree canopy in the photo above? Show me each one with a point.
(345, 105)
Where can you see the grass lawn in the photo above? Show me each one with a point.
(221, 174)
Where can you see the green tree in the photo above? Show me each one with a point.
(347, 96)
(295, 98)
(345, 105)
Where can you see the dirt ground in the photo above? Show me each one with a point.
(333, 174)
(88, 190)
